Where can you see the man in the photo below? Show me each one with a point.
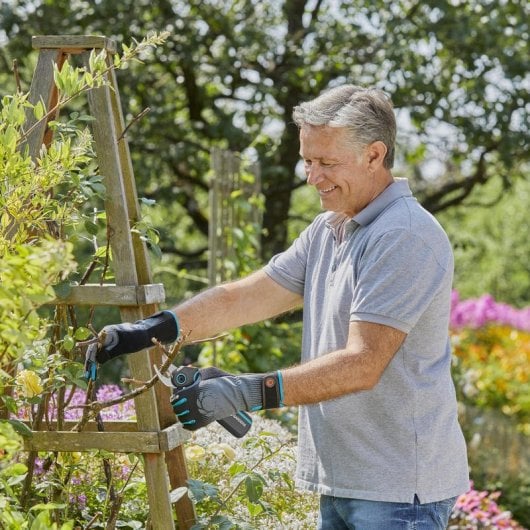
(378, 432)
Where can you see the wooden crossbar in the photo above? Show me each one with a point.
(127, 441)
(73, 43)
(112, 295)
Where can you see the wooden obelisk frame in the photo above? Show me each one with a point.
(156, 434)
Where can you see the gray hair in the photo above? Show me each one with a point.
(366, 112)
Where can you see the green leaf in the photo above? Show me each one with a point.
(222, 522)
(254, 487)
(254, 509)
(82, 333)
(21, 428)
(202, 490)
(10, 403)
(48, 506)
(236, 468)
(89, 79)
(91, 227)
(14, 470)
(178, 493)
(98, 187)
(39, 110)
(63, 289)
(68, 343)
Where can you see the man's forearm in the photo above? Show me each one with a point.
(357, 367)
(228, 306)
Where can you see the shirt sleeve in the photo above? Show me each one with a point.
(289, 267)
(397, 279)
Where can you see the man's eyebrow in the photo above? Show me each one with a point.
(320, 158)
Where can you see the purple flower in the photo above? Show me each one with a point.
(477, 312)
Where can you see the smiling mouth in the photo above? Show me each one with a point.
(327, 190)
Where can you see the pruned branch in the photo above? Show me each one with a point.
(91, 409)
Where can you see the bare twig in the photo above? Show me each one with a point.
(17, 76)
(133, 121)
(117, 501)
(132, 381)
(93, 520)
(94, 407)
(267, 456)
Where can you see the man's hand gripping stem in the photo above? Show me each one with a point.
(120, 339)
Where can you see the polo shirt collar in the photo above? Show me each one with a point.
(398, 189)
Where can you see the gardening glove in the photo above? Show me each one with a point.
(129, 338)
(216, 395)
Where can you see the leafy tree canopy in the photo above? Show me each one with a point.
(231, 72)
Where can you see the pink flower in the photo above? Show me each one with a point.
(475, 313)
(479, 509)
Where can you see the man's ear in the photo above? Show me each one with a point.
(375, 154)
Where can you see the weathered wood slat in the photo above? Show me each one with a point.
(113, 295)
(73, 43)
(105, 131)
(175, 458)
(122, 442)
(132, 442)
(91, 426)
(42, 89)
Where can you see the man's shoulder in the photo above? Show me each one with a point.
(407, 221)
(408, 214)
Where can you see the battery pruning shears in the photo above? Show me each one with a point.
(177, 377)
(185, 376)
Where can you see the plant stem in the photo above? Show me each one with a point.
(224, 501)
(94, 407)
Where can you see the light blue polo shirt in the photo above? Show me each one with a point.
(391, 264)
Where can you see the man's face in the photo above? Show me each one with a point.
(339, 173)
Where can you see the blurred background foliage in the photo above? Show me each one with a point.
(230, 73)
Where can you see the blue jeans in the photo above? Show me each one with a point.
(337, 513)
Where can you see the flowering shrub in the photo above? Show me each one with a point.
(477, 510)
(250, 482)
(491, 343)
(491, 369)
(475, 313)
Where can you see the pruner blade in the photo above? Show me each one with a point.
(165, 379)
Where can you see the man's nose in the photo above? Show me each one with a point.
(314, 174)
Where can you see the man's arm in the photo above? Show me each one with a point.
(218, 309)
(231, 305)
(358, 366)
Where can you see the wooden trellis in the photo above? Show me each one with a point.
(225, 215)
(155, 434)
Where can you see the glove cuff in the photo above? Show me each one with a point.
(261, 391)
(272, 390)
(164, 326)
